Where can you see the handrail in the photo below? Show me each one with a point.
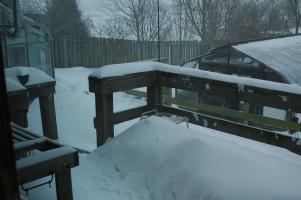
(233, 92)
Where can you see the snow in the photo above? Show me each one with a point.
(42, 157)
(157, 159)
(75, 108)
(274, 113)
(35, 75)
(13, 86)
(282, 54)
(173, 162)
(116, 70)
(22, 71)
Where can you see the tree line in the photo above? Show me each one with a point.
(181, 20)
(206, 20)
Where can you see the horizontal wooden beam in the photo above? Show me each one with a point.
(265, 97)
(240, 115)
(18, 100)
(262, 96)
(46, 163)
(21, 148)
(137, 93)
(23, 134)
(130, 114)
(41, 90)
(27, 132)
(242, 130)
(121, 83)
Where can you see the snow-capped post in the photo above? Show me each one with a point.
(36, 85)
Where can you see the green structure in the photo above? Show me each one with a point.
(30, 47)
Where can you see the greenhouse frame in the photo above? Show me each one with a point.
(30, 47)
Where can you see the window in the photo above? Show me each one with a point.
(192, 64)
(238, 58)
(16, 56)
(218, 56)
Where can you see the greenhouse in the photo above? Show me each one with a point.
(30, 48)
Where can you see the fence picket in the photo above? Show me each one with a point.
(97, 52)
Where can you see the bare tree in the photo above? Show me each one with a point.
(139, 17)
(233, 20)
(59, 16)
(294, 7)
(32, 6)
(182, 29)
(112, 28)
(198, 12)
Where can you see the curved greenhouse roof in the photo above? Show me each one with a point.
(282, 54)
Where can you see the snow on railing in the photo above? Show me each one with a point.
(148, 66)
(233, 89)
(25, 84)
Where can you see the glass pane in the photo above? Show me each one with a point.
(16, 56)
(192, 64)
(219, 56)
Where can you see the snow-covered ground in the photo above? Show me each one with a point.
(157, 159)
(75, 109)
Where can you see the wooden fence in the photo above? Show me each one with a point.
(96, 52)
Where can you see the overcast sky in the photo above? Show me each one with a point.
(98, 8)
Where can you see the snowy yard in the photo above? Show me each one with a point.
(75, 109)
(157, 159)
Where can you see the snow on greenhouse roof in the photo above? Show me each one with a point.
(281, 54)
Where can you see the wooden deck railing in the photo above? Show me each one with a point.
(213, 117)
(49, 159)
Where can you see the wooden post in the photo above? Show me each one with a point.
(154, 96)
(20, 117)
(104, 117)
(63, 185)
(48, 116)
(18, 107)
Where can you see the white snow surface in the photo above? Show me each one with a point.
(282, 54)
(157, 159)
(75, 108)
(13, 86)
(36, 76)
(48, 155)
(177, 163)
(147, 66)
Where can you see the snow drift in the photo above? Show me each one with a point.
(177, 163)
